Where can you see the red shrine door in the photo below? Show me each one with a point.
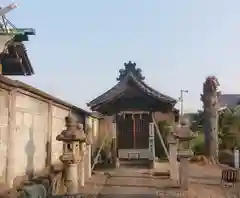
(133, 132)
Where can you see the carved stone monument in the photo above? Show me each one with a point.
(210, 99)
(72, 139)
(184, 135)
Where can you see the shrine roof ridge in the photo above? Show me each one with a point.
(120, 86)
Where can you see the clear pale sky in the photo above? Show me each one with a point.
(81, 45)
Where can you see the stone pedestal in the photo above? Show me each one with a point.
(184, 168)
(71, 178)
(174, 174)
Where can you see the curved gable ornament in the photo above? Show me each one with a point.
(130, 68)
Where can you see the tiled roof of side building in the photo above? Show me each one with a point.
(9, 83)
(229, 100)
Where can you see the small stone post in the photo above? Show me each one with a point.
(236, 158)
(151, 144)
(115, 159)
(184, 136)
(82, 163)
(82, 154)
(172, 141)
(72, 139)
(88, 160)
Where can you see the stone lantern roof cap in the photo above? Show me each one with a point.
(71, 136)
(183, 132)
(74, 131)
(184, 121)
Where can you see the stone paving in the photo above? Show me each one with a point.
(129, 181)
(95, 184)
(205, 182)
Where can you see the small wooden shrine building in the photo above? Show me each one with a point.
(14, 60)
(131, 104)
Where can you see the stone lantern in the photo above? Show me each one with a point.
(72, 139)
(184, 135)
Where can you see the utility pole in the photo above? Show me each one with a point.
(182, 91)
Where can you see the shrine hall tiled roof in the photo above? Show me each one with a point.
(134, 75)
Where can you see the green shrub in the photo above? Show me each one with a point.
(164, 130)
(198, 145)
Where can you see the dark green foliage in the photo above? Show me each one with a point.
(164, 130)
(197, 145)
(229, 129)
(197, 121)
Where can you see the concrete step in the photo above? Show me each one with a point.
(137, 162)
